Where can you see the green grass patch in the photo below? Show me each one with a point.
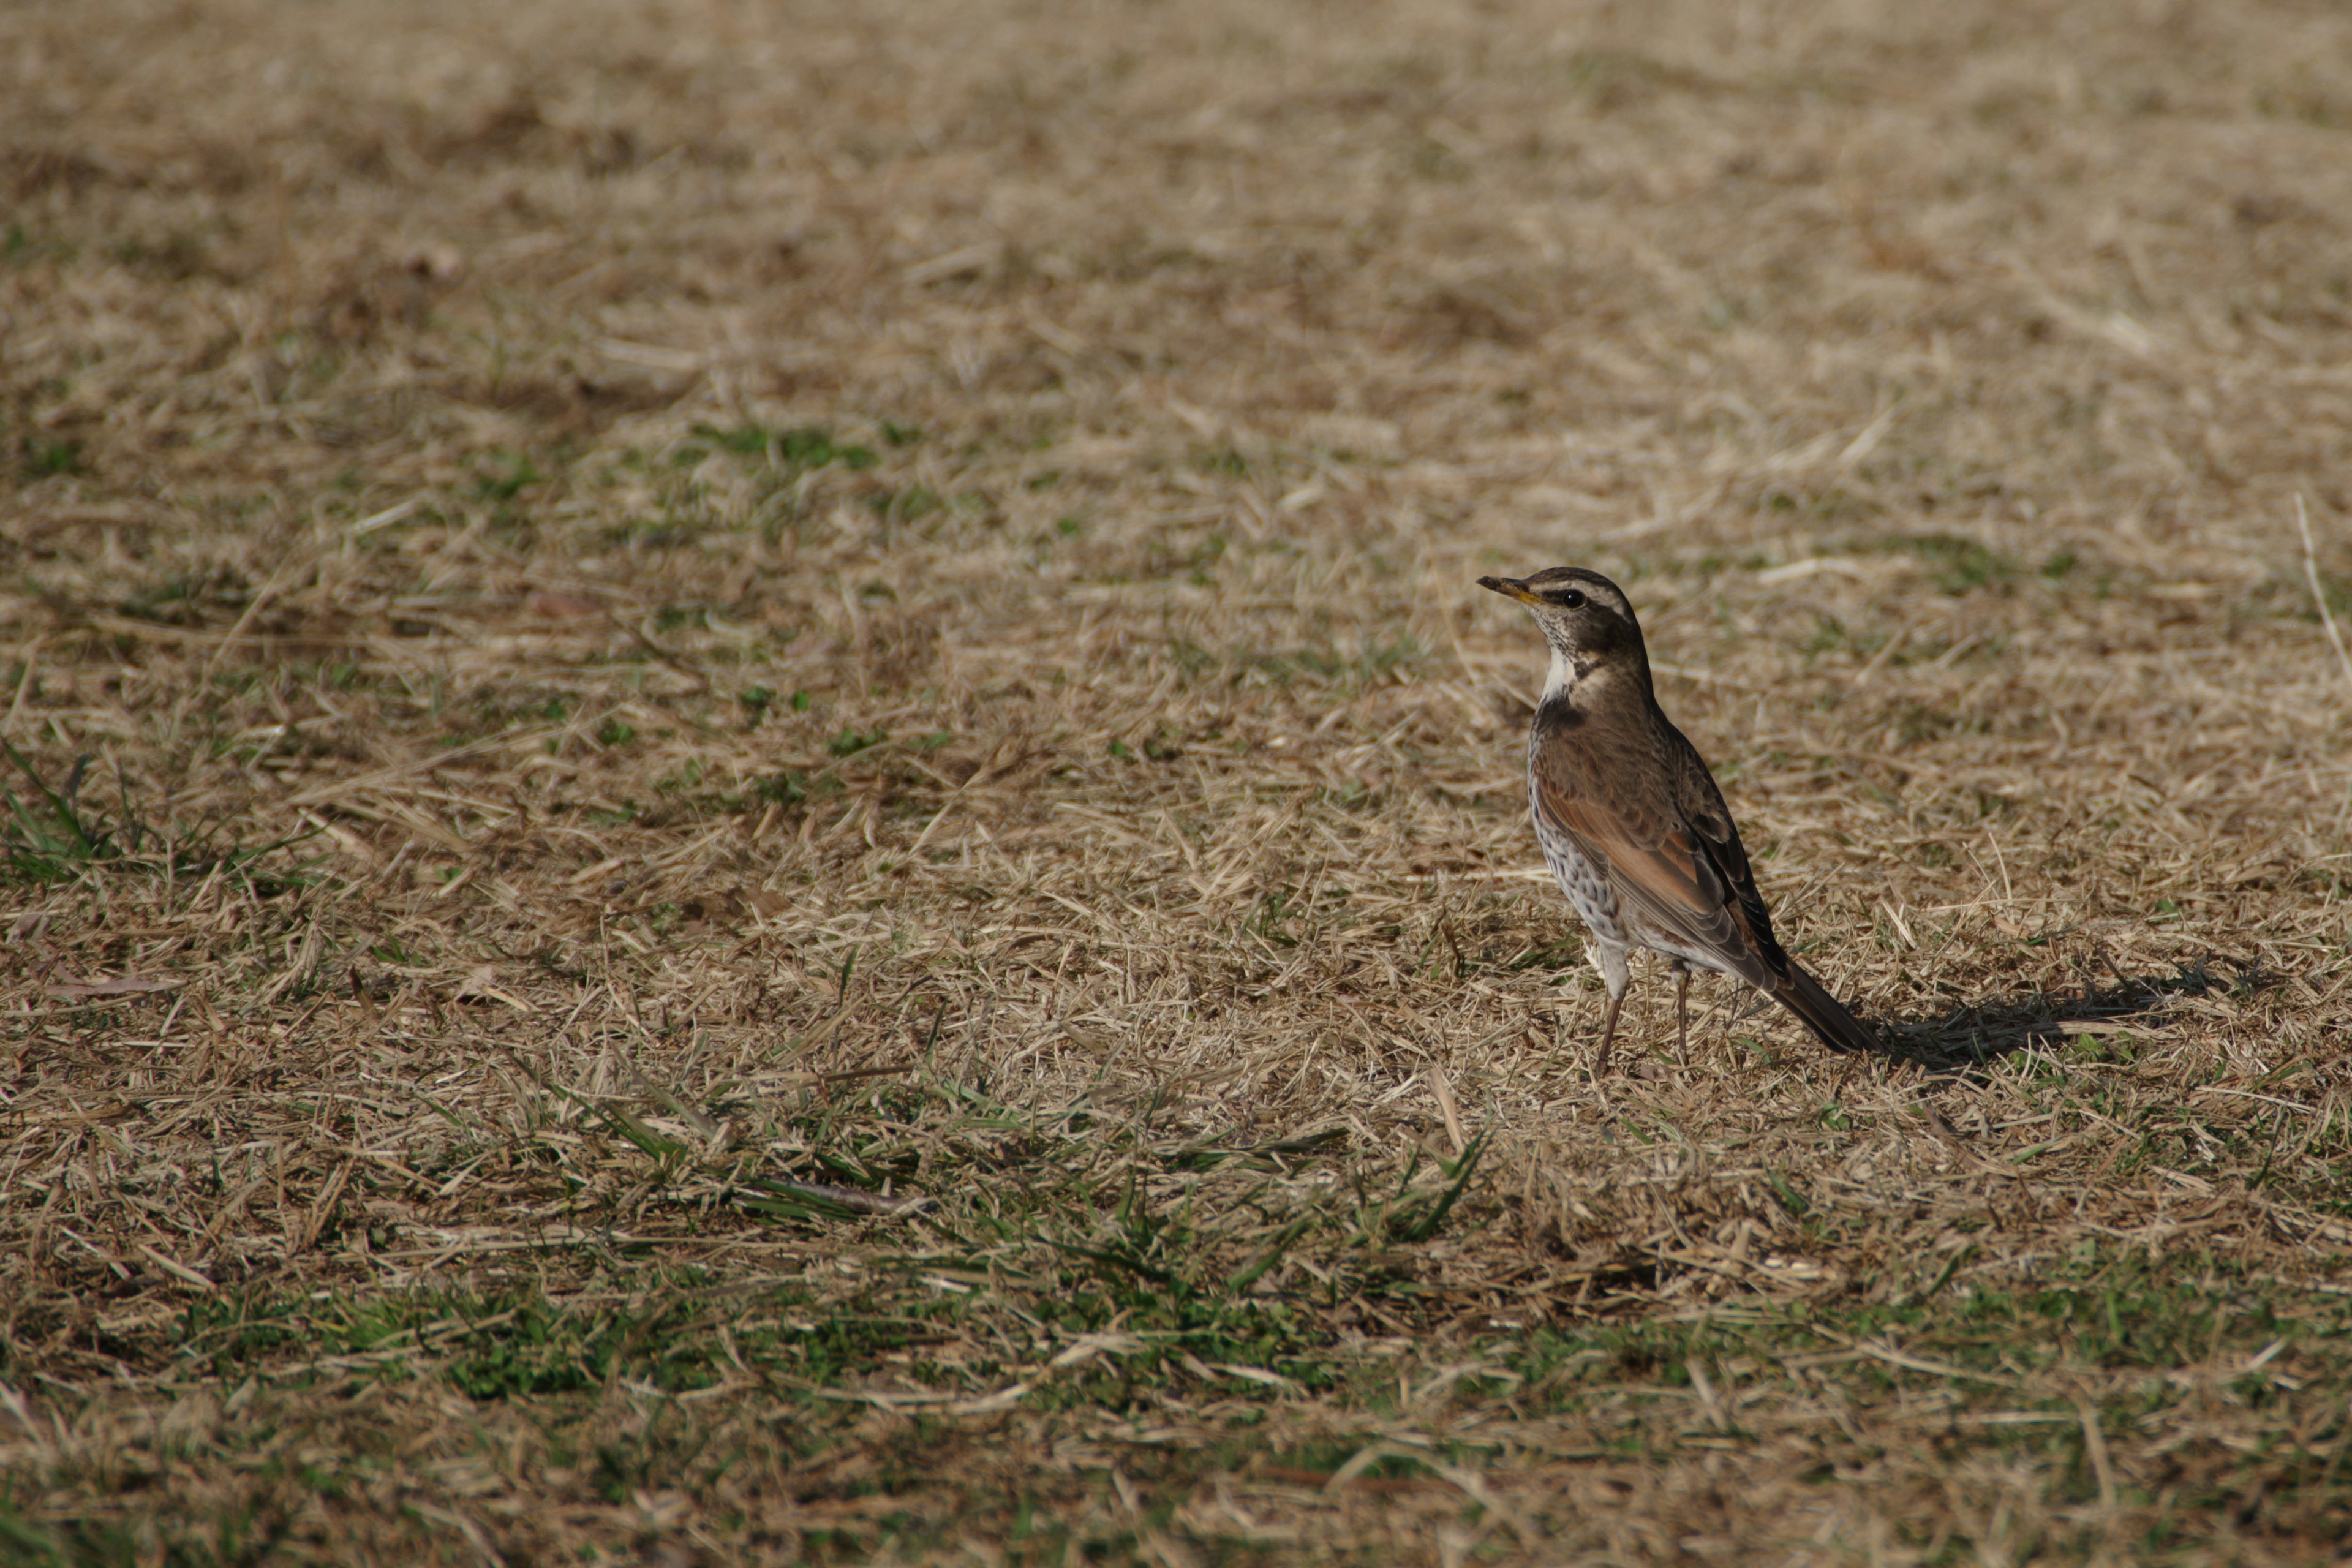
(50, 834)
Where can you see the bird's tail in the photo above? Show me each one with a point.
(1822, 1013)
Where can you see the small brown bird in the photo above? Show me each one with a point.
(1632, 822)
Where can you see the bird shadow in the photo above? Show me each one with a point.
(1975, 1035)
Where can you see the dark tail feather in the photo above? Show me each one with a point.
(1823, 1014)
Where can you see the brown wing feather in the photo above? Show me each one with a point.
(1701, 803)
(1628, 820)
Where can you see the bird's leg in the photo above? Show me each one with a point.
(1609, 957)
(1682, 1012)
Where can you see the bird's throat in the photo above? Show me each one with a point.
(1561, 679)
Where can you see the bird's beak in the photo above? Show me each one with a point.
(1509, 589)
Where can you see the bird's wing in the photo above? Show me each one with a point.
(1672, 871)
(1701, 805)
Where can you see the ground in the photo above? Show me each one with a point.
(758, 810)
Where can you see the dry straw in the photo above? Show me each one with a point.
(764, 815)
(2319, 590)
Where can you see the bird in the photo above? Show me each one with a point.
(1630, 821)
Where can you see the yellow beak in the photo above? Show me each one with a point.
(1509, 590)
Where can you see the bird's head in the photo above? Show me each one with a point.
(1585, 617)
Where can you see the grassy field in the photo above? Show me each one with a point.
(757, 810)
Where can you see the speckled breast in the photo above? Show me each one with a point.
(1584, 883)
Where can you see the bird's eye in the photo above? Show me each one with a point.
(1567, 599)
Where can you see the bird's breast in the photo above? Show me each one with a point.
(1584, 881)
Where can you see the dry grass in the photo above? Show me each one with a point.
(801, 842)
